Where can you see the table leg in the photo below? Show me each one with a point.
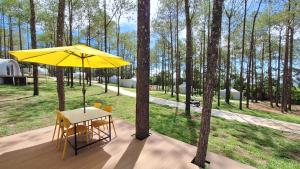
(75, 139)
(109, 122)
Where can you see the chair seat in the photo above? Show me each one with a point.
(79, 129)
(98, 123)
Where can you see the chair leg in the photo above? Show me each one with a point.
(65, 146)
(54, 131)
(61, 139)
(57, 140)
(114, 128)
(92, 131)
(87, 136)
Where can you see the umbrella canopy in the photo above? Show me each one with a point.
(70, 56)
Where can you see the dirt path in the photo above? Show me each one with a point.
(265, 106)
(271, 123)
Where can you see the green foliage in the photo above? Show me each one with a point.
(296, 96)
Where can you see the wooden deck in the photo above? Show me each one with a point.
(34, 150)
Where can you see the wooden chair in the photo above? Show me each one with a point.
(98, 123)
(97, 105)
(68, 130)
(58, 123)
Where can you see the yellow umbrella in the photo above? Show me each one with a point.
(71, 56)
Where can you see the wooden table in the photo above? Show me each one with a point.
(78, 116)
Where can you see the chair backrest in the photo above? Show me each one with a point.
(97, 105)
(108, 108)
(66, 122)
(59, 117)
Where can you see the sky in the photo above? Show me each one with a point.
(131, 24)
(129, 21)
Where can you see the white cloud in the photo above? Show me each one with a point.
(154, 4)
(182, 34)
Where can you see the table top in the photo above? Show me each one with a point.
(77, 115)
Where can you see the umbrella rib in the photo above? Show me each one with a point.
(36, 56)
(63, 59)
(72, 53)
(78, 55)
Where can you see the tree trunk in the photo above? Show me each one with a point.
(201, 66)
(290, 86)
(290, 80)
(105, 44)
(172, 62)
(270, 85)
(256, 83)
(143, 67)
(163, 68)
(219, 74)
(278, 70)
(20, 35)
(4, 35)
(285, 72)
(88, 70)
(189, 50)
(203, 59)
(68, 75)
(27, 35)
(60, 70)
(11, 41)
(1, 36)
(71, 37)
(250, 66)
(33, 46)
(227, 83)
(261, 86)
(177, 54)
(118, 52)
(243, 53)
(210, 83)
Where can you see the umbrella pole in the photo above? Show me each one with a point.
(83, 85)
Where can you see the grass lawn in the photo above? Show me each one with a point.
(132, 89)
(167, 96)
(254, 145)
(233, 107)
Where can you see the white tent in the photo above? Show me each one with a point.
(41, 71)
(234, 94)
(113, 79)
(9, 67)
(182, 88)
(78, 74)
(128, 82)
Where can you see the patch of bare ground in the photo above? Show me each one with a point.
(293, 136)
(265, 106)
(4, 98)
(295, 155)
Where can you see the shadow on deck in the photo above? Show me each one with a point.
(34, 150)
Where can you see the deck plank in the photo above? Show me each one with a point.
(34, 150)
